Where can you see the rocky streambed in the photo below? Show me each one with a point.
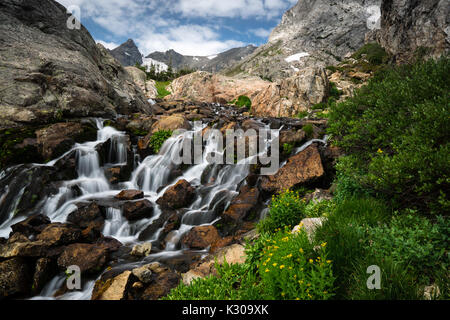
(134, 222)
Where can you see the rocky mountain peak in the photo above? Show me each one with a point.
(127, 53)
(312, 33)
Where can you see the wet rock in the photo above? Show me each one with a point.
(180, 195)
(91, 215)
(45, 270)
(242, 206)
(118, 174)
(112, 288)
(59, 234)
(163, 282)
(32, 225)
(89, 257)
(173, 122)
(14, 278)
(144, 274)
(201, 237)
(304, 167)
(252, 124)
(142, 250)
(130, 195)
(24, 248)
(150, 231)
(292, 137)
(137, 210)
(59, 138)
(109, 243)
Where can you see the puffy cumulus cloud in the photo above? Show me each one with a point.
(192, 40)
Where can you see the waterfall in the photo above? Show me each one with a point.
(153, 176)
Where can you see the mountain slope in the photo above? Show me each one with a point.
(50, 72)
(213, 63)
(312, 33)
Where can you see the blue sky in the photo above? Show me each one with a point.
(191, 27)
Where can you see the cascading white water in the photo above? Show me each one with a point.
(153, 176)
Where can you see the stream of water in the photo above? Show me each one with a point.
(152, 175)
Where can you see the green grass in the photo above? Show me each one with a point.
(161, 86)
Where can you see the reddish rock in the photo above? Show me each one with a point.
(201, 237)
(45, 270)
(59, 234)
(130, 195)
(32, 225)
(293, 137)
(242, 205)
(14, 278)
(161, 286)
(137, 210)
(180, 195)
(88, 216)
(301, 168)
(23, 248)
(58, 138)
(89, 257)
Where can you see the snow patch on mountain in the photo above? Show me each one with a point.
(160, 66)
(296, 57)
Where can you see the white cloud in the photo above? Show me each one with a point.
(188, 40)
(108, 45)
(261, 32)
(168, 24)
(232, 8)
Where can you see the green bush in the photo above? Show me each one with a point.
(374, 53)
(302, 114)
(287, 148)
(242, 101)
(345, 233)
(286, 209)
(421, 246)
(233, 282)
(291, 269)
(319, 209)
(309, 130)
(395, 133)
(158, 138)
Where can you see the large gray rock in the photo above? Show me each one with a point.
(50, 72)
(409, 25)
(287, 97)
(326, 30)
